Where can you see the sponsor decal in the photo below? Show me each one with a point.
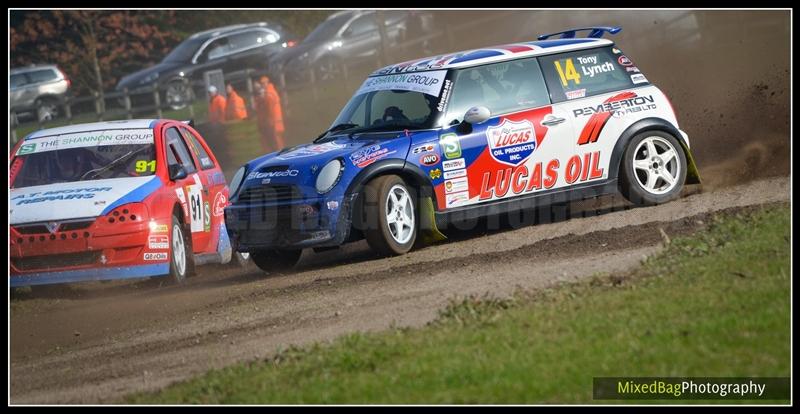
(367, 155)
(511, 142)
(195, 195)
(632, 69)
(310, 150)
(159, 228)
(320, 235)
(155, 256)
(455, 174)
(616, 51)
(457, 199)
(445, 95)
(88, 139)
(272, 174)
(626, 102)
(422, 149)
(220, 201)
(451, 146)
(100, 203)
(426, 82)
(453, 164)
(332, 205)
(180, 194)
(456, 185)
(429, 159)
(624, 61)
(54, 195)
(158, 242)
(206, 217)
(638, 78)
(578, 93)
(435, 173)
(528, 178)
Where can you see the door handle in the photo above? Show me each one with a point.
(552, 121)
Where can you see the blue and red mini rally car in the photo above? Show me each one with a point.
(464, 135)
(114, 200)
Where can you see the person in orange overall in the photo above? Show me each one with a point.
(270, 115)
(235, 109)
(216, 106)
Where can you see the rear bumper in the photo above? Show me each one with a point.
(90, 274)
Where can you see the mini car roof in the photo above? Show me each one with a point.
(492, 54)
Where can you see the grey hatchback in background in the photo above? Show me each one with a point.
(37, 90)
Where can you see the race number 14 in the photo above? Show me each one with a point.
(568, 72)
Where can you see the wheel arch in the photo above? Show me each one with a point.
(651, 124)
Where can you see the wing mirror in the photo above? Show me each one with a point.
(177, 172)
(477, 114)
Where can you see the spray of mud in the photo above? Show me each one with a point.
(726, 73)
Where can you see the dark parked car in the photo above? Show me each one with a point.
(230, 48)
(353, 35)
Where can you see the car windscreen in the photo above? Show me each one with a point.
(84, 156)
(401, 101)
(184, 51)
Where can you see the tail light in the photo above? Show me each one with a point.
(66, 78)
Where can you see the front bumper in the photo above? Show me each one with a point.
(293, 224)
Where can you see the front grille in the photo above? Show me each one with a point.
(269, 193)
(55, 260)
(42, 228)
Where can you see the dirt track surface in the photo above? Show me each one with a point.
(94, 343)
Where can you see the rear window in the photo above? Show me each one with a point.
(583, 73)
(42, 75)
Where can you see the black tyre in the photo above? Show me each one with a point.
(390, 212)
(275, 260)
(653, 168)
(181, 260)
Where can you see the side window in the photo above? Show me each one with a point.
(18, 80)
(177, 152)
(216, 49)
(502, 87)
(42, 75)
(199, 152)
(252, 38)
(591, 72)
(361, 25)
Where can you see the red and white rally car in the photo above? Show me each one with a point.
(114, 200)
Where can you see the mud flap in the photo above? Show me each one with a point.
(692, 174)
(224, 245)
(427, 223)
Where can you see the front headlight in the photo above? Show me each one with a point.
(329, 175)
(236, 182)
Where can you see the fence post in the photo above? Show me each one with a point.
(127, 103)
(157, 100)
(68, 109)
(97, 106)
(36, 114)
(282, 90)
(14, 124)
(314, 85)
(191, 101)
(249, 83)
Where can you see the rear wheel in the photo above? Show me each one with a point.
(181, 262)
(46, 109)
(653, 168)
(275, 260)
(390, 211)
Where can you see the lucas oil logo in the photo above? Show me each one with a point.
(511, 142)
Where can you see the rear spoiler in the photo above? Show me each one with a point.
(596, 32)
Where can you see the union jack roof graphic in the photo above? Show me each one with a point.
(492, 54)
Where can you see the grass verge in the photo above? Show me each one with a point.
(713, 304)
